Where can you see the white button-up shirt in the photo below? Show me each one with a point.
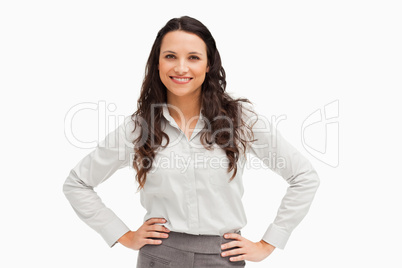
(189, 186)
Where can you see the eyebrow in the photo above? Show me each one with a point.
(169, 51)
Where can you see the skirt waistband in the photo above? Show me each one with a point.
(207, 244)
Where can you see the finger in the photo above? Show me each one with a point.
(156, 227)
(153, 241)
(238, 258)
(155, 220)
(231, 244)
(157, 234)
(232, 252)
(232, 236)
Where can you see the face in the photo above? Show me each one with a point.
(183, 63)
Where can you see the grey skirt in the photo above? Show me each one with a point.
(181, 250)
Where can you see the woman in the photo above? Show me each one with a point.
(190, 140)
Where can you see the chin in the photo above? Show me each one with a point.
(181, 93)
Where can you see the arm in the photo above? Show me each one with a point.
(110, 155)
(294, 168)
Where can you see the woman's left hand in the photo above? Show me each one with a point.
(249, 250)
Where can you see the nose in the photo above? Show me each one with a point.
(181, 68)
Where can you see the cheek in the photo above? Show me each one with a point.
(164, 66)
(201, 70)
(163, 69)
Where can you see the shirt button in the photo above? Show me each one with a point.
(151, 263)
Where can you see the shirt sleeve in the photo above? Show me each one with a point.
(285, 160)
(111, 154)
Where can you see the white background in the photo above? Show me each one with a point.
(288, 57)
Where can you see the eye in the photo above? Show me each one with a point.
(194, 58)
(169, 56)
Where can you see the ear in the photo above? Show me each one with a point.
(207, 68)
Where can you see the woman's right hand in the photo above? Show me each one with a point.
(137, 239)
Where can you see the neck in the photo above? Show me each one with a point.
(187, 107)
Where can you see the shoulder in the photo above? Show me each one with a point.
(248, 113)
(252, 118)
(128, 127)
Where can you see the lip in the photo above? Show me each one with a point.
(181, 82)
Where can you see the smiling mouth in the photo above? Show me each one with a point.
(180, 80)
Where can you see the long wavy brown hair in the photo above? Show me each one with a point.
(222, 114)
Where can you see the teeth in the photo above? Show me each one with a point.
(181, 79)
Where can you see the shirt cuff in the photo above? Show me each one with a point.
(276, 236)
(113, 231)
